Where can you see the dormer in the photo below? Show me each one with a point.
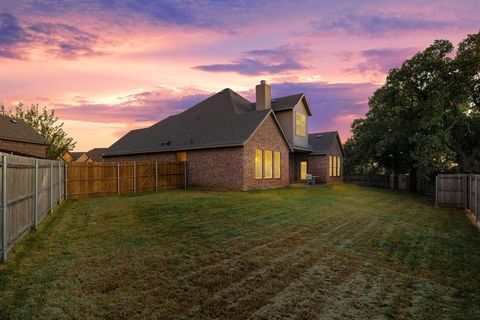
(292, 113)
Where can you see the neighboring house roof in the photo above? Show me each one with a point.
(96, 154)
(17, 130)
(76, 155)
(289, 102)
(321, 142)
(225, 119)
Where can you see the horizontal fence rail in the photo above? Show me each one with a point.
(120, 178)
(459, 191)
(29, 189)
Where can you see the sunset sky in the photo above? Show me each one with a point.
(111, 66)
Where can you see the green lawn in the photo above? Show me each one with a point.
(332, 252)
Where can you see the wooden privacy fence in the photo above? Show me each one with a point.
(119, 178)
(459, 191)
(380, 181)
(29, 188)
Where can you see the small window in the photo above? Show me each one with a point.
(300, 124)
(181, 156)
(268, 164)
(276, 164)
(258, 164)
(303, 170)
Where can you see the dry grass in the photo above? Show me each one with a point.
(326, 252)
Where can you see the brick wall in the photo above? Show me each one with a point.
(267, 137)
(23, 148)
(318, 165)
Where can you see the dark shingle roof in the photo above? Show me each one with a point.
(321, 142)
(288, 102)
(76, 155)
(17, 130)
(96, 154)
(224, 119)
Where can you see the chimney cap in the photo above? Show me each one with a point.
(263, 82)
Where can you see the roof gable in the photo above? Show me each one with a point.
(18, 130)
(289, 102)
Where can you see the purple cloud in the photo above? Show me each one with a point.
(382, 60)
(334, 106)
(56, 39)
(257, 62)
(379, 24)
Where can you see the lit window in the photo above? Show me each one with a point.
(303, 170)
(334, 166)
(338, 166)
(300, 124)
(330, 166)
(268, 164)
(258, 164)
(276, 165)
(181, 156)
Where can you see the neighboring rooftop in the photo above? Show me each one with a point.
(96, 154)
(17, 130)
(321, 142)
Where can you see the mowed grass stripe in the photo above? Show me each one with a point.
(325, 252)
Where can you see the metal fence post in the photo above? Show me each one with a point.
(156, 175)
(436, 190)
(185, 175)
(134, 177)
(58, 183)
(51, 187)
(35, 212)
(118, 178)
(65, 178)
(4, 210)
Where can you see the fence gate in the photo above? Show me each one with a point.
(459, 191)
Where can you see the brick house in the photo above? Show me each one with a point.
(17, 137)
(232, 143)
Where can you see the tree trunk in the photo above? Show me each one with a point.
(465, 161)
(412, 185)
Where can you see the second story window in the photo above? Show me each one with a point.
(300, 124)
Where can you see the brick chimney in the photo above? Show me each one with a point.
(264, 96)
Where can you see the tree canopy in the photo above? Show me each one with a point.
(47, 124)
(425, 119)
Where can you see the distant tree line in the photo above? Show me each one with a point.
(46, 123)
(425, 119)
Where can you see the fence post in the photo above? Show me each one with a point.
(35, 208)
(134, 177)
(58, 183)
(156, 175)
(436, 190)
(51, 187)
(477, 193)
(118, 178)
(4, 210)
(185, 174)
(66, 181)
